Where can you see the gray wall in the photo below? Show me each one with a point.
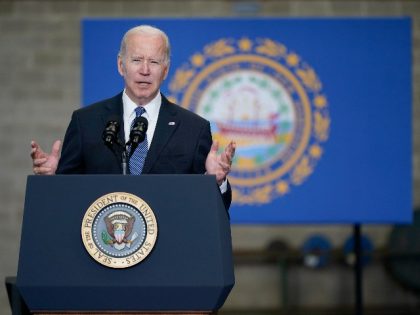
(40, 87)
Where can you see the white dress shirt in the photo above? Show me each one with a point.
(151, 114)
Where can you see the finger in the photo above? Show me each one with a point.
(229, 153)
(39, 161)
(214, 146)
(56, 148)
(230, 149)
(35, 154)
(36, 151)
(34, 148)
(225, 166)
(224, 158)
(42, 170)
(233, 147)
(229, 156)
(34, 144)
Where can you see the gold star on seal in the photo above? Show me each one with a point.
(245, 44)
(320, 101)
(282, 187)
(315, 151)
(292, 59)
(197, 60)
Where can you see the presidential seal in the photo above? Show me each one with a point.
(269, 100)
(119, 230)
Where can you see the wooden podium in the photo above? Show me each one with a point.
(189, 270)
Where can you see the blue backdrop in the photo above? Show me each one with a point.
(332, 140)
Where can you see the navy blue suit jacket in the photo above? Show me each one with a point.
(180, 144)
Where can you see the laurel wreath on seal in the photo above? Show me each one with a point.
(307, 77)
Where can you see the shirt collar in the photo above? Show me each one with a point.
(152, 108)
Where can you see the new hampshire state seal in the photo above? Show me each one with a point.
(119, 230)
(266, 98)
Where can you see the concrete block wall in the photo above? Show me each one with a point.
(40, 87)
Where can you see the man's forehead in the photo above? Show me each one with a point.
(145, 38)
(154, 43)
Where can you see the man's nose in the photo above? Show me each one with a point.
(144, 67)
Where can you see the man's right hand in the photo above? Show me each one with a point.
(42, 162)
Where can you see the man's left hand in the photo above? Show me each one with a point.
(220, 164)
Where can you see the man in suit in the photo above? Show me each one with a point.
(177, 140)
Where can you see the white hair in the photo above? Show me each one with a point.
(147, 30)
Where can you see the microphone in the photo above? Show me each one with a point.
(110, 133)
(138, 132)
(114, 143)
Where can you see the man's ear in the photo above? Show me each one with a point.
(166, 71)
(120, 64)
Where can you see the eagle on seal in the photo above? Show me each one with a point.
(119, 225)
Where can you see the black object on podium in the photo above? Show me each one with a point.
(189, 269)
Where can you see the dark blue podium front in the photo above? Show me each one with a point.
(189, 269)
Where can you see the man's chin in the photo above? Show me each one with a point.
(144, 98)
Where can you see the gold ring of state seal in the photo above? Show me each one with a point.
(119, 230)
(267, 99)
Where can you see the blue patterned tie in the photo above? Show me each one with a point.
(139, 156)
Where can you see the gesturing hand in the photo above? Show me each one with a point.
(42, 162)
(220, 164)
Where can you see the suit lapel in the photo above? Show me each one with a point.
(166, 125)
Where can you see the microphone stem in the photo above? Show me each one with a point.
(124, 162)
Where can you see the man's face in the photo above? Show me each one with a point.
(143, 67)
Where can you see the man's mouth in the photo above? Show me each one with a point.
(143, 83)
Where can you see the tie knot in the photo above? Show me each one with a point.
(139, 111)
